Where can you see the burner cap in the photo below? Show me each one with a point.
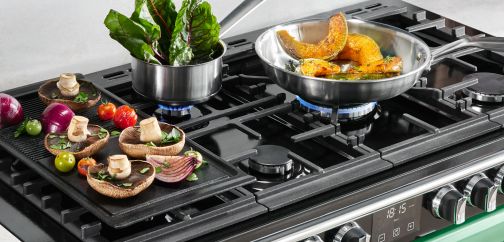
(174, 111)
(490, 87)
(271, 159)
(344, 112)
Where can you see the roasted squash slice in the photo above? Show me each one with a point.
(387, 65)
(318, 67)
(326, 49)
(360, 48)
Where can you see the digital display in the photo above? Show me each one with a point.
(395, 222)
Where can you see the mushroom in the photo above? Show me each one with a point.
(68, 85)
(141, 177)
(119, 166)
(77, 130)
(54, 91)
(150, 130)
(56, 143)
(131, 144)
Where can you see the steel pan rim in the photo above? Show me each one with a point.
(421, 68)
(179, 102)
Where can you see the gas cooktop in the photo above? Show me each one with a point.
(302, 160)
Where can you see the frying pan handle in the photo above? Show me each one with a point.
(486, 43)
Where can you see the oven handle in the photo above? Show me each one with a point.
(333, 220)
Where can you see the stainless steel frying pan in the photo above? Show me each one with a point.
(416, 55)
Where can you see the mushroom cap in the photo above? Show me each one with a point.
(88, 151)
(139, 181)
(129, 142)
(47, 89)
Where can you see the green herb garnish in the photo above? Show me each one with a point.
(62, 136)
(114, 133)
(103, 175)
(102, 133)
(54, 95)
(126, 184)
(144, 170)
(192, 177)
(388, 59)
(291, 66)
(166, 165)
(82, 97)
(52, 136)
(151, 144)
(172, 137)
(62, 145)
(21, 129)
(158, 169)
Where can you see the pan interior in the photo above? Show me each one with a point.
(392, 41)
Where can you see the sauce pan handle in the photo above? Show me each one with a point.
(238, 14)
(486, 43)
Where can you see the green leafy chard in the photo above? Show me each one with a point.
(164, 14)
(196, 33)
(156, 33)
(138, 36)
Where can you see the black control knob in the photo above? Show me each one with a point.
(481, 192)
(351, 232)
(449, 204)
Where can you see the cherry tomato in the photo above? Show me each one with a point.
(106, 111)
(33, 127)
(125, 116)
(65, 161)
(84, 164)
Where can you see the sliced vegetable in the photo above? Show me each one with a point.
(115, 133)
(196, 155)
(325, 49)
(56, 118)
(11, 112)
(64, 162)
(84, 164)
(178, 169)
(124, 117)
(106, 111)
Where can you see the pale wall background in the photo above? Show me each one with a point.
(40, 39)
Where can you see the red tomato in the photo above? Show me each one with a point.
(106, 111)
(125, 116)
(84, 164)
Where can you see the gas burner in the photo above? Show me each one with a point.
(347, 112)
(490, 87)
(272, 166)
(173, 111)
(272, 160)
